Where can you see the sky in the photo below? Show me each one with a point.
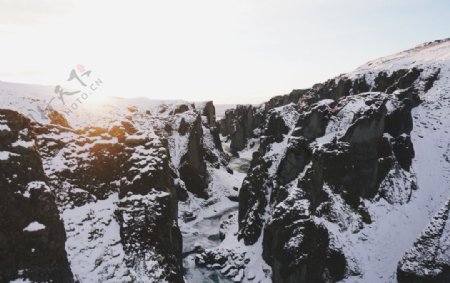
(234, 51)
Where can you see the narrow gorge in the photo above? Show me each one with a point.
(346, 181)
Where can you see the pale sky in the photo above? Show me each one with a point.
(234, 51)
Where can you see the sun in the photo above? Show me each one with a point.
(96, 101)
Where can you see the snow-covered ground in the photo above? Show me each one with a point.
(378, 247)
(93, 242)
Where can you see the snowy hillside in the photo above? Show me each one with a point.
(404, 202)
(397, 227)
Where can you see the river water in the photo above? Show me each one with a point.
(206, 235)
(207, 238)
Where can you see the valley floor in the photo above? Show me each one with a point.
(204, 231)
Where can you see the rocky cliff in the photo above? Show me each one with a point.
(343, 180)
(239, 123)
(428, 260)
(32, 235)
(335, 161)
(98, 202)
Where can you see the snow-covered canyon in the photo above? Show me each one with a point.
(346, 181)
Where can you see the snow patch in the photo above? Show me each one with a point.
(34, 226)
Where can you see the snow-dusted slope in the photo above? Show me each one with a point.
(427, 55)
(396, 227)
(404, 202)
(36, 102)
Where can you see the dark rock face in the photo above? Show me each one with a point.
(365, 139)
(404, 151)
(193, 168)
(58, 119)
(148, 214)
(203, 146)
(369, 153)
(146, 228)
(276, 127)
(313, 123)
(180, 109)
(428, 260)
(252, 200)
(253, 194)
(429, 82)
(32, 235)
(282, 100)
(310, 125)
(209, 111)
(350, 167)
(360, 160)
(332, 164)
(364, 136)
(136, 166)
(298, 155)
(116, 187)
(95, 174)
(308, 258)
(399, 121)
(399, 79)
(239, 124)
(333, 89)
(120, 131)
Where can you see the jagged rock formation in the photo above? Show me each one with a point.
(240, 124)
(32, 235)
(226, 262)
(193, 167)
(117, 186)
(96, 164)
(348, 163)
(346, 173)
(328, 156)
(429, 258)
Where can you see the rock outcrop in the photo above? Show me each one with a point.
(195, 143)
(116, 185)
(94, 164)
(329, 153)
(239, 124)
(428, 260)
(257, 184)
(32, 235)
(193, 167)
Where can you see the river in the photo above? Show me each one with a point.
(204, 234)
